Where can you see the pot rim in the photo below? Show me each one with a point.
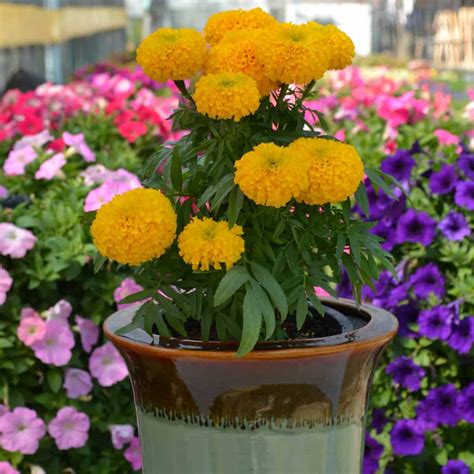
(380, 329)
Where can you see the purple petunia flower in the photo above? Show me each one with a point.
(417, 227)
(426, 280)
(399, 165)
(406, 373)
(372, 453)
(387, 233)
(442, 405)
(406, 314)
(467, 403)
(466, 163)
(454, 226)
(407, 438)
(464, 196)
(455, 467)
(423, 417)
(435, 323)
(443, 181)
(462, 335)
(379, 420)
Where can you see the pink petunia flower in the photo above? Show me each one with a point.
(51, 168)
(446, 138)
(79, 144)
(21, 430)
(6, 282)
(95, 174)
(118, 182)
(3, 192)
(107, 366)
(36, 141)
(121, 435)
(28, 313)
(133, 454)
(15, 241)
(128, 287)
(56, 344)
(61, 310)
(77, 383)
(69, 428)
(318, 291)
(17, 161)
(7, 468)
(31, 330)
(89, 333)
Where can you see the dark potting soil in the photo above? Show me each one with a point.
(315, 326)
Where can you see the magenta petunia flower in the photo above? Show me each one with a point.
(3, 192)
(89, 332)
(7, 468)
(77, 383)
(21, 430)
(61, 310)
(51, 168)
(6, 282)
(128, 287)
(31, 329)
(133, 454)
(446, 138)
(17, 161)
(15, 241)
(107, 366)
(56, 344)
(79, 144)
(121, 435)
(69, 428)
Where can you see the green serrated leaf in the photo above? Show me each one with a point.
(362, 199)
(230, 283)
(252, 321)
(269, 282)
(301, 310)
(176, 173)
(265, 307)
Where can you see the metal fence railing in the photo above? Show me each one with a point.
(58, 36)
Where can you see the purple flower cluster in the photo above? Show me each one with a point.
(373, 451)
(406, 373)
(407, 438)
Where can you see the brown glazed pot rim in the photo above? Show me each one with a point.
(380, 329)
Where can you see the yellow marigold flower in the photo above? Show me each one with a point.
(271, 175)
(205, 243)
(335, 172)
(134, 227)
(340, 47)
(175, 54)
(226, 95)
(219, 24)
(237, 52)
(294, 53)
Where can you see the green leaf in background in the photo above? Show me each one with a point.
(176, 174)
(252, 322)
(54, 379)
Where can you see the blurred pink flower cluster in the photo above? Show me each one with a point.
(353, 98)
(135, 111)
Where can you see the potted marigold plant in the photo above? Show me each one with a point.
(237, 364)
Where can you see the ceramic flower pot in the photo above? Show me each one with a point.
(287, 407)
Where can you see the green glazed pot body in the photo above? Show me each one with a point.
(296, 407)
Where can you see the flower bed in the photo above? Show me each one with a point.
(66, 149)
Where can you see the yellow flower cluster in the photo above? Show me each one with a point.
(311, 170)
(271, 175)
(238, 52)
(175, 54)
(335, 172)
(135, 227)
(226, 95)
(340, 47)
(219, 24)
(294, 53)
(205, 243)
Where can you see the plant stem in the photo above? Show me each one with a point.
(184, 92)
